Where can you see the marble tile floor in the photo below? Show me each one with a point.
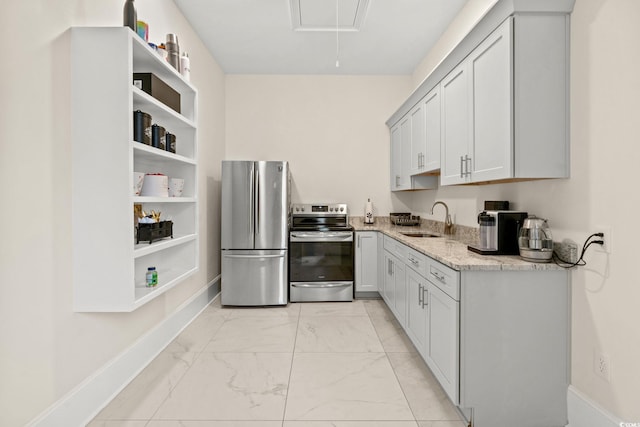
(304, 365)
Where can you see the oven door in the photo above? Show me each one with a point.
(321, 265)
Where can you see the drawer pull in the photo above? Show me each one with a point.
(438, 276)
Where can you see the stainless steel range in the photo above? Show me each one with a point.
(320, 253)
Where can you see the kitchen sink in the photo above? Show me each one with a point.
(420, 234)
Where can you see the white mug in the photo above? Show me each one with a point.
(138, 180)
(176, 185)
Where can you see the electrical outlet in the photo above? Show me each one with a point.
(602, 365)
(607, 238)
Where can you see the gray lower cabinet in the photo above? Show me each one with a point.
(496, 340)
(514, 347)
(395, 289)
(380, 263)
(443, 345)
(417, 309)
(394, 286)
(366, 263)
(432, 321)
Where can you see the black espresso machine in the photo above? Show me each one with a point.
(499, 228)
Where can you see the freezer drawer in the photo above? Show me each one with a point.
(252, 277)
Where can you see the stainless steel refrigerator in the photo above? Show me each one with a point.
(255, 225)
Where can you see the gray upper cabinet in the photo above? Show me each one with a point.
(425, 134)
(456, 130)
(503, 99)
(431, 156)
(505, 107)
(401, 156)
(396, 158)
(476, 115)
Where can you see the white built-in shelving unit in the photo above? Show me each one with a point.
(108, 266)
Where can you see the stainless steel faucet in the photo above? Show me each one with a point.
(448, 224)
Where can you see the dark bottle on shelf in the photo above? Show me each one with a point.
(129, 15)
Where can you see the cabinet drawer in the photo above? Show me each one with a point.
(396, 248)
(417, 261)
(445, 278)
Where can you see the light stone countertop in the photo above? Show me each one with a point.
(451, 251)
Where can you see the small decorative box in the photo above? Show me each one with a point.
(154, 231)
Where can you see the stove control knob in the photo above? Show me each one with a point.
(303, 209)
(297, 209)
(341, 209)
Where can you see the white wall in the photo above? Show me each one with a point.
(46, 349)
(602, 190)
(330, 128)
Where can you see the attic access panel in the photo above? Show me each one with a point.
(320, 15)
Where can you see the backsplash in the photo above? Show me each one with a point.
(469, 235)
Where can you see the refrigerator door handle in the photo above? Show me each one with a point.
(258, 202)
(252, 201)
(255, 256)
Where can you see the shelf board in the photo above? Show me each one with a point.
(159, 112)
(167, 279)
(154, 154)
(142, 249)
(146, 58)
(144, 199)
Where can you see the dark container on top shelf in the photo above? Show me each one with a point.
(129, 15)
(155, 87)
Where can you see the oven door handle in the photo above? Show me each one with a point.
(322, 285)
(322, 237)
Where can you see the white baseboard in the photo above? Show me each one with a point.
(84, 402)
(583, 412)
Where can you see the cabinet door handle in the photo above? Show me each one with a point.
(420, 295)
(461, 166)
(425, 297)
(467, 161)
(359, 237)
(397, 180)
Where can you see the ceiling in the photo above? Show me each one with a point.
(300, 37)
